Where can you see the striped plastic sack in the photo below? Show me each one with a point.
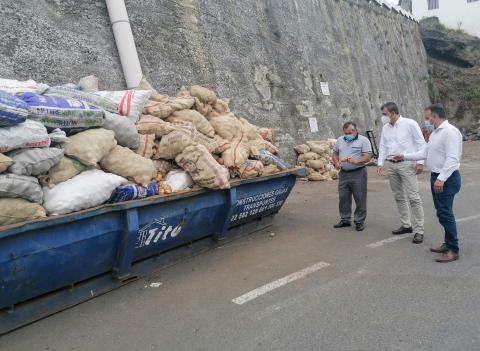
(24, 135)
(12, 110)
(85, 96)
(133, 191)
(129, 102)
(59, 112)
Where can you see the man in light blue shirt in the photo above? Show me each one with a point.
(350, 154)
(443, 153)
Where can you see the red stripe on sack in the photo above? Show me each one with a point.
(129, 101)
(122, 103)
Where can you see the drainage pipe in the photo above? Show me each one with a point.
(127, 51)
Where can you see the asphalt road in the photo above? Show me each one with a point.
(332, 289)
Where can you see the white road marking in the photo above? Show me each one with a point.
(278, 283)
(389, 240)
(468, 218)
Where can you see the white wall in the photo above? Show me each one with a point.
(451, 13)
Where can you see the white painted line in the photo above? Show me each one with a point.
(389, 240)
(468, 218)
(278, 283)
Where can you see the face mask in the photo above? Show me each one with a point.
(349, 137)
(428, 125)
(385, 119)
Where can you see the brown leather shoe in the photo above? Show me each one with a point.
(448, 256)
(439, 249)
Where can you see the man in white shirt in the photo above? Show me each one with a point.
(443, 153)
(402, 135)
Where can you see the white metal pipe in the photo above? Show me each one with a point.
(127, 51)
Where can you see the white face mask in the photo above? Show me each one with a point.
(385, 119)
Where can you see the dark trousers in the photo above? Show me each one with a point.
(353, 183)
(444, 205)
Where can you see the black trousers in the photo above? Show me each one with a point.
(353, 183)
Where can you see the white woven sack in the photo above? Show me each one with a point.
(125, 131)
(13, 87)
(24, 135)
(34, 161)
(88, 189)
(130, 102)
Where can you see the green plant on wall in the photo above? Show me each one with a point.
(432, 91)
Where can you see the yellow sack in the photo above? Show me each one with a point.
(14, 211)
(126, 163)
(90, 146)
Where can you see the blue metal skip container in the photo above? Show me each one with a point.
(49, 265)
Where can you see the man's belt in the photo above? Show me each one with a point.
(352, 170)
(394, 161)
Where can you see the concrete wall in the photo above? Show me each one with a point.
(267, 57)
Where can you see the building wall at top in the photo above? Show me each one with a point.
(452, 13)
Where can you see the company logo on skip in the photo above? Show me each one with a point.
(155, 231)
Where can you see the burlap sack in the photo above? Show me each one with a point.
(302, 149)
(204, 109)
(270, 169)
(154, 125)
(146, 146)
(203, 168)
(316, 176)
(66, 169)
(227, 126)
(329, 167)
(250, 169)
(158, 109)
(90, 146)
(221, 107)
(154, 95)
(334, 173)
(308, 156)
(266, 133)
(124, 162)
(19, 210)
(5, 162)
(238, 153)
(316, 164)
(185, 134)
(264, 144)
(163, 166)
(222, 144)
(250, 130)
(172, 144)
(319, 147)
(198, 120)
(181, 103)
(205, 95)
(183, 92)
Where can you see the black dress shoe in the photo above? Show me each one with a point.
(342, 224)
(402, 230)
(359, 227)
(417, 239)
